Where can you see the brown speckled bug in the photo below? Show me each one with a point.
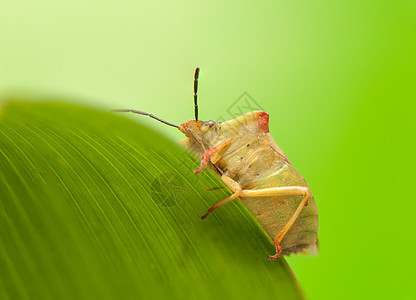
(243, 153)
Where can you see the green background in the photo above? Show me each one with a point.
(337, 77)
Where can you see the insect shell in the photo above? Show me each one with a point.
(246, 157)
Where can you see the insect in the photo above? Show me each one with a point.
(257, 171)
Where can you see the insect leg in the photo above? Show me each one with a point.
(220, 203)
(214, 188)
(234, 186)
(279, 191)
(214, 154)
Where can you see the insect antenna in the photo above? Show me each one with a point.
(196, 93)
(145, 114)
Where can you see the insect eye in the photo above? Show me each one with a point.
(211, 123)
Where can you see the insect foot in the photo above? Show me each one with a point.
(207, 213)
(278, 252)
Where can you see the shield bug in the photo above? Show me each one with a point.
(257, 171)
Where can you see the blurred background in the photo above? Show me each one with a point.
(338, 79)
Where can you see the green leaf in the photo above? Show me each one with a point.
(94, 205)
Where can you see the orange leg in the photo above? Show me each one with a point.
(213, 154)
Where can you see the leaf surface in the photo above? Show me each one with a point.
(94, 205)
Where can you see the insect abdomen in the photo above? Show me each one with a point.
(264, 166)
